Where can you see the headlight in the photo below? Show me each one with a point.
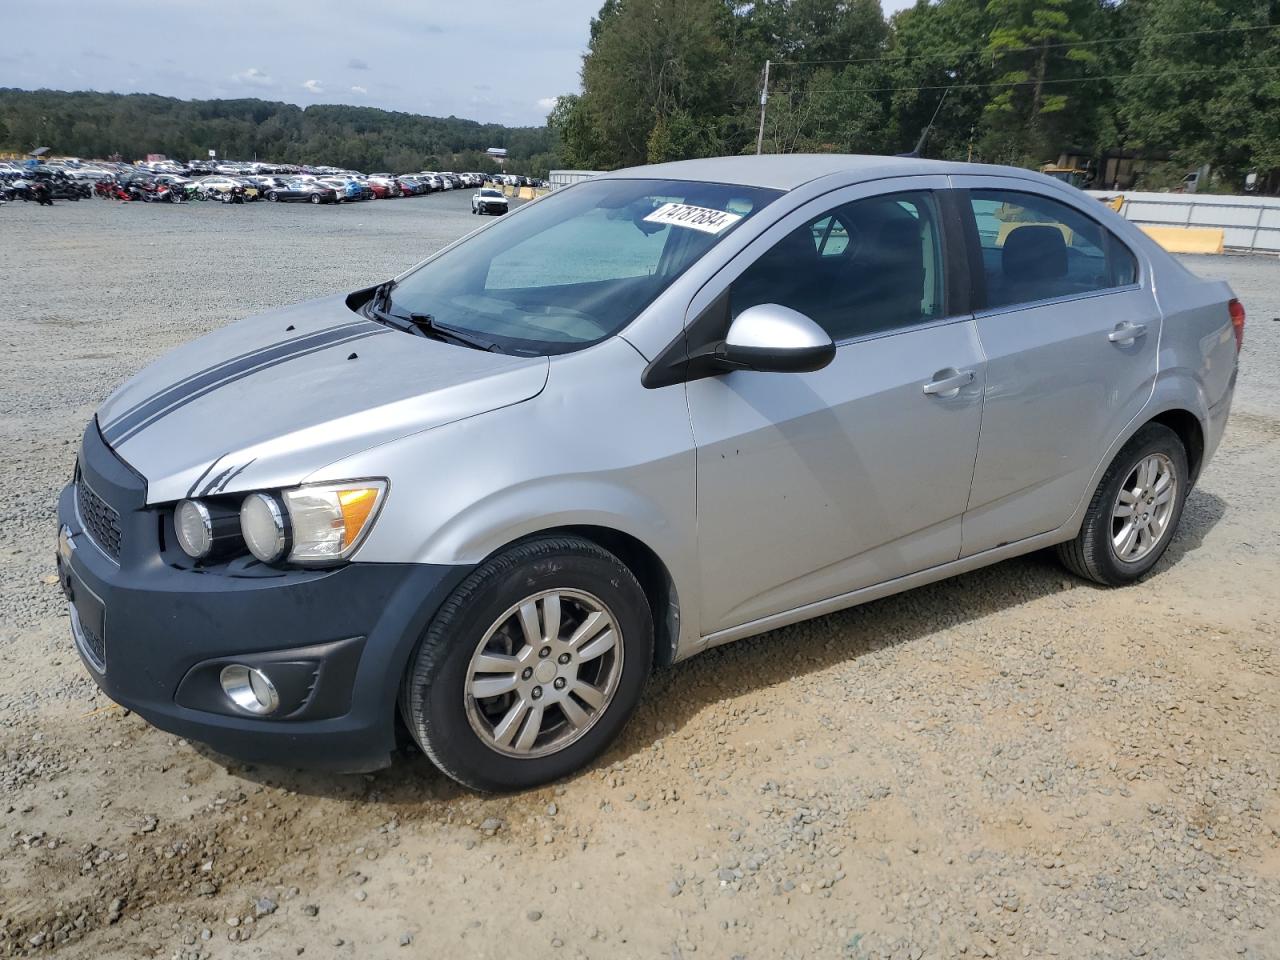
(264, 526)
(194, 528)
(206, 531)
(328, 521)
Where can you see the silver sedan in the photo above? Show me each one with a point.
(653, 412)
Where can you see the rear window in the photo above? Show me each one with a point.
(1035, 248)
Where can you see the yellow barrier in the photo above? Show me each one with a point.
(1187, 239)
(1009, 226)
(526, 193)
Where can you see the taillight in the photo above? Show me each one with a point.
(1236, 308)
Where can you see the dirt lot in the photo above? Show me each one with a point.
(1009, 764)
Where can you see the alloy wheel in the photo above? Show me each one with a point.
(544, 673)
(1143, 508)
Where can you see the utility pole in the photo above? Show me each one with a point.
(764, 99)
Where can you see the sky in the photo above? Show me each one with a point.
(496, 61)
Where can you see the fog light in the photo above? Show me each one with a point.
(249, 689)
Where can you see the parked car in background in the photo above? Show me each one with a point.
(388, 183)
(301, 189)
(488, 200)
(413, 186)
(212, 187)
(345, 188)
(267, 184)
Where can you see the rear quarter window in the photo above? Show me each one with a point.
(1036, 248)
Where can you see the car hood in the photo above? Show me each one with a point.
(270, 400)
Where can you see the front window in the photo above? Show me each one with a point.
(867, 268)
(577, 267)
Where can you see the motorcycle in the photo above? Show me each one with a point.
(160, 193)
(33, 189)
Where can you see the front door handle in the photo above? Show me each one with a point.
(947, 383)
(1125, 333)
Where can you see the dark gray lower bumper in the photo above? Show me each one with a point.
(340, 639)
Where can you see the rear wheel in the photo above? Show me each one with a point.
(532, 667)
(1133, 514)
(273, 196)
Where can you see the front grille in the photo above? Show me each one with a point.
(101, 522)
(92, 644)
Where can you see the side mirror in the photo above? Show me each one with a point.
(771, 338)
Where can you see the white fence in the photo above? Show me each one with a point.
(1248, 223)
(562, 178)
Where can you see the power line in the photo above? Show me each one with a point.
(1064, 80)
(1002, 52)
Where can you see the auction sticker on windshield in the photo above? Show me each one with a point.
(695, 218)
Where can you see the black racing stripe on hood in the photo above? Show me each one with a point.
(219, 483)
(224, 367)
(191, 492)
(123, 427)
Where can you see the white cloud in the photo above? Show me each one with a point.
(546, 103)
(253, 77)
(313, 87)
(355, 63)
(359, 90)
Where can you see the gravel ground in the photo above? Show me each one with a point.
(1012, 763)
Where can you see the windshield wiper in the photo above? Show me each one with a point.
(381, 299)
(427, 324)
(422, 324)
(398, 323)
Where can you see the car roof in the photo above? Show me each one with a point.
(786, 171)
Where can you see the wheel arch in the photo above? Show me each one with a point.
(1190, 431)
(649, 569)
(1169, 407)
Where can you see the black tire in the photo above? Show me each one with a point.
(433, 697)
(315, 198)
(273, 196)
(1092, 554)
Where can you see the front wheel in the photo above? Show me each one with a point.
(1133, 514)
(532, 667)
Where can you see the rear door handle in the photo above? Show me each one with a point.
(1127, 332)
(947, 383)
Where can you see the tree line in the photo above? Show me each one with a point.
(1186, 81)
(103, 125)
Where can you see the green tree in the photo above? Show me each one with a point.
(935, 51)
(1207, 85)
(650, 60)
(1036, 47)
(100, 124)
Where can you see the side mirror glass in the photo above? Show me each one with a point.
(771, 338)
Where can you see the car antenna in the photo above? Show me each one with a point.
(918, 149)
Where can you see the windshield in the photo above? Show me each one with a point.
(578, 266)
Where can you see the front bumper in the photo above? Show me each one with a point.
(155, 634)
(492, 207)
